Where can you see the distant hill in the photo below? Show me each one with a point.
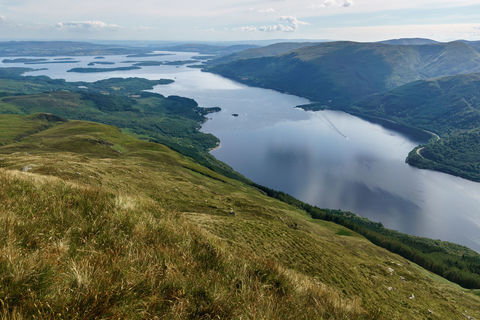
(433, 87)
(266, 51)
(70, 48)
(409, 41)
(473, 44)
(56, 48)
(442, 105)
(338, 73)
(448, 106)
(208, 49)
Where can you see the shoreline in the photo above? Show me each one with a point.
(219, 145)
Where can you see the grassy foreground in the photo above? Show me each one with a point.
(98, 224)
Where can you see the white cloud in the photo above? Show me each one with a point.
(286, 24)
(2, 19)
(292, 21)
(176, 20)
(87, 26)
(328, 3)
(332, 3)
(267, 10)
(246, 29)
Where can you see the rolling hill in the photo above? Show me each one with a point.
(99, 224)
(338, 73)
(408, 87)
(409, 41)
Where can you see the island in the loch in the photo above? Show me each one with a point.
(93, 63)
(94, 70)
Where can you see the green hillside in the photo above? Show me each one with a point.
(173, 121)
(338, 73)
(441, 105)
(267, 51)
(405, 87)
(99, 224)
(448, 106)
(456, 154)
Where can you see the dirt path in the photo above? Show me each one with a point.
(434, 134)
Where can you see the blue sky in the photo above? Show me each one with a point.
(359, 20)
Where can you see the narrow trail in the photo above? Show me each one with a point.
(419, 150)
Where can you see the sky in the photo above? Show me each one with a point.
(236, 20)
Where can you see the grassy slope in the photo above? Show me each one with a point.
(174, 121)
(110, 226)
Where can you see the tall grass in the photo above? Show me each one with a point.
(77, 252)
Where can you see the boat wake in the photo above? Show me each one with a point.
(330, 123)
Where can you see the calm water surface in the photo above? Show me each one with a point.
(327, 158)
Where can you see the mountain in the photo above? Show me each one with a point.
(409, 41)
(448, 106)
(473, 44)
(338, 73)
(99, 224)
(442, 105)
(265, 51)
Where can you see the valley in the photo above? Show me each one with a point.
(46, 119)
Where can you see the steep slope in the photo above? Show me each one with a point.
(448, 106)
(267, 51)
(440, 105)
(337, 73)
(456, 154)
(174, 121)
(100, 224)
(473, 44)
